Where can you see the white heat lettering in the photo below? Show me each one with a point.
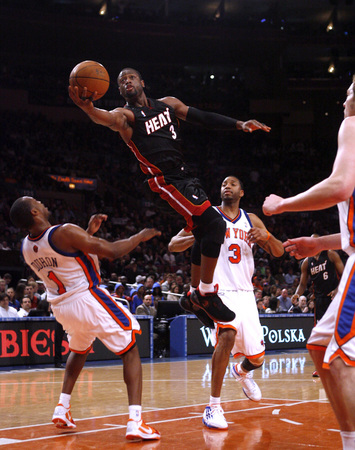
(157, 122)
(319, 268)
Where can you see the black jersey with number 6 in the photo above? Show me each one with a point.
(156, 141)
(323, 274)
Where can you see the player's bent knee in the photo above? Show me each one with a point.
(253, 363)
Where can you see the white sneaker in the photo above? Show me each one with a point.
(213, 417)
(62, 417)
(140, 430)
(250, 388)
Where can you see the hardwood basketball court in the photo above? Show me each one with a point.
(293, 413)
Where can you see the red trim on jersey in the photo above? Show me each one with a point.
(227, 217)
(339, 353)
(37, 238)
(85, 269)
(318, 348)
(145, 165)
(176, 200)
(133, 341)
(237, 355)
(82, 352)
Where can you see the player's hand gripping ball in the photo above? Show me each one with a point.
(93, 76)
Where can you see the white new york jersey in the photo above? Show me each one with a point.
(235, 265)
(61, 272)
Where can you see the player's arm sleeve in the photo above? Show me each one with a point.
(212, 120)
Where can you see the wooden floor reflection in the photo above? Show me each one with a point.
(293, 413)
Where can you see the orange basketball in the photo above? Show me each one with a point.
(93, 76)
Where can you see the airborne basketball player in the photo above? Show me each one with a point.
(150, 128)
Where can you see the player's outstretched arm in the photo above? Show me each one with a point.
(71, 238)
(115, 119)
(309, 246)
(212, 120)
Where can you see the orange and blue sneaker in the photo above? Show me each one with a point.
(62, 417)
(139, 430)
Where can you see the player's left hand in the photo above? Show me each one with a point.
(95, 223)
(272, 205)
(252, 125)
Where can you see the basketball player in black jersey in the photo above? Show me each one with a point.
(150, 128)
(325, 270)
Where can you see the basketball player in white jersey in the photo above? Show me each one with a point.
(233, 274)
(332, 342)
(65, 257)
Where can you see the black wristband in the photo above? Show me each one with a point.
(210, 119)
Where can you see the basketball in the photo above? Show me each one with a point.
(93, 76)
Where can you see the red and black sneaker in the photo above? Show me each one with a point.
(212, 305)
(188, 306)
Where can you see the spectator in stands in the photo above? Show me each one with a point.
(273, 306)
(5, 309)
(119, 292)
(29, 292)
(140, 279)
(260, 306)
(290, 277)
(2, 286)
(149, 282)
(268, 276)
(280, 278)
(310, 305)
(137, 298)
(8, 279)
(20, 291)
(173, 294)
(258, 294)
(166, 284)
(25, 307)
(146, 307)
(127, 289)
(10, 291)
(285, 301)
(266, 301)
(157, 291)
(303, 304)
(169, 261)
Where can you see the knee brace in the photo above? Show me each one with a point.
(248, 366)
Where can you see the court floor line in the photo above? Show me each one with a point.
(112, 426)
(146, 409)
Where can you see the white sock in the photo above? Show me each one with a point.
(348, 438)
(64, 399)
(135, 412)
(214, 401)
(205, 288)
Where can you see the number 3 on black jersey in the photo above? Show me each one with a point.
(235, 248)
(61, 288)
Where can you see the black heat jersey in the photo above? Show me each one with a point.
(324, 280)
(156, 141)
(323, 274)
